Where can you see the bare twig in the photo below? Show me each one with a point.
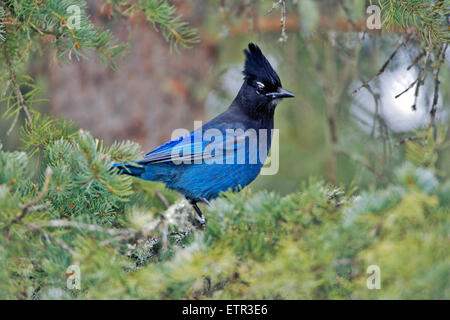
(384, 132)
(118, 234)
(420, 81)
(420, 77)
(416, 60)
(13, 124)
(162, 198)
(386, 63)
(49, 236)
(120, 238)
(407, 89)
(441, 58)
(87, 227)
(283, 36)
(403, 141)
(275, 5)
(20, 99)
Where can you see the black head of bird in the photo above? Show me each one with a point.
(262, 88)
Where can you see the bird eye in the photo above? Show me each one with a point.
(259, 87)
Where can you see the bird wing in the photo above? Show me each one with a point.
(194, 147)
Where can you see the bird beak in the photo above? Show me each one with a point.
(281, 93)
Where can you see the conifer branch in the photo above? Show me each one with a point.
(429, 18)
(31, 206)
(162, 16)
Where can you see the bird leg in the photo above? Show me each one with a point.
(199, 212)
(204, 200)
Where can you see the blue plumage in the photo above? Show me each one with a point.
(229, 151)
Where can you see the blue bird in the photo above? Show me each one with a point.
(226, 153)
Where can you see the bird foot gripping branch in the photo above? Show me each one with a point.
(208, 161)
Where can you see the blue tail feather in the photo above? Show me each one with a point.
(130, 169)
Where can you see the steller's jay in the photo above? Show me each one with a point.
(217, 157)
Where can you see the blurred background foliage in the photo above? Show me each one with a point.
(364, 149)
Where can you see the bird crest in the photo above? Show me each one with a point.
(258, 68)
